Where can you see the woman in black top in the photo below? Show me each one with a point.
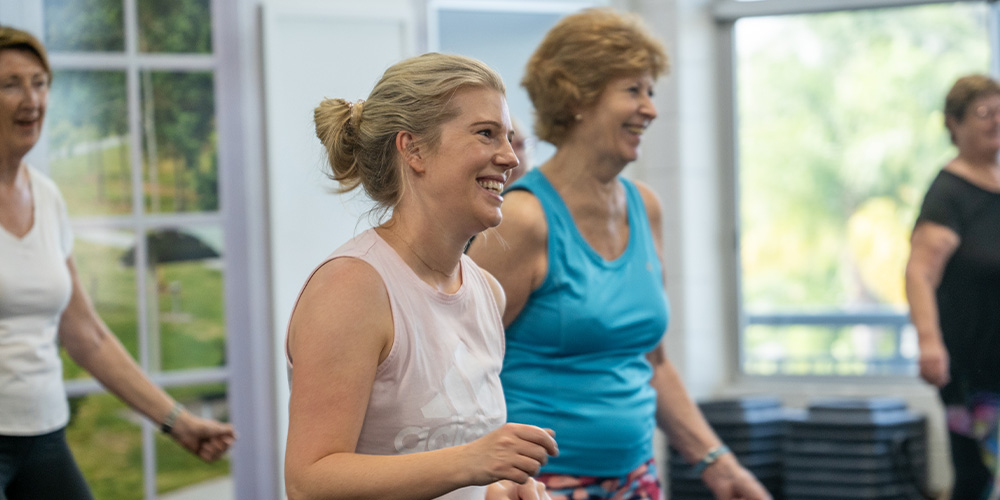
(953, 283)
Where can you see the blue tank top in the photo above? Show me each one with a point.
(576, 355)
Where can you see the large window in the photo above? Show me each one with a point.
(839, 132)
(131, 141)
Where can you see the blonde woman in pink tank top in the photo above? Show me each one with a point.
(395, 344)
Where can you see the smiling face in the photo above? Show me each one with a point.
(467, 171)
(978, 132)
(615, 123)
(24, 95)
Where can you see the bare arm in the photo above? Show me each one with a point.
(693, 437)
(678, 415)
(931, 246)
(340, 331)
(91, 344)
(515, 252)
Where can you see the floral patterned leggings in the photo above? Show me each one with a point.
(641, 483)
(973, 433)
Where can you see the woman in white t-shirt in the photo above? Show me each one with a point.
(395, 343)
(42, 305)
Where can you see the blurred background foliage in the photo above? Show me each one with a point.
(840, 132)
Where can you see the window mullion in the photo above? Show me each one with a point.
(134, 97)
(994, 31)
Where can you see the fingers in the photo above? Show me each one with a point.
(513, 452)
(542, 437)
(934, 373)
(225, 430)
(526, 492)
(541, 491)
(207, 439)
(214, 429)
(213, 449)
(501, 490)
(532, 490)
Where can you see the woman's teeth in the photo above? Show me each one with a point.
(491, 185)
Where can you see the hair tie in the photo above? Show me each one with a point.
(355, 108)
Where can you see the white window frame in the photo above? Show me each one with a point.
(255, 464)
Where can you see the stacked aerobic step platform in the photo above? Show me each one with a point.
(753, 428)
(855, 449)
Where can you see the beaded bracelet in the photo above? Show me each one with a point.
(168, 423)
(710, 458)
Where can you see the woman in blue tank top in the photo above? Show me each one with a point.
(578, 254)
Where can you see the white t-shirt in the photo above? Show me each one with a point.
(35, 287)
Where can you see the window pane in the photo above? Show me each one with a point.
(179, 142)
(89, 141)
(840, 133)
(103, 270)
(106, 439)
(84, 25)
(172, 26)
(182, 473)
(830, 350)
(189, 316)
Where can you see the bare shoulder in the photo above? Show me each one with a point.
(515, 252)
(935, 233)
(523, 232)
(344, 304)
(650, 200)
(523, 217)
(937, 240)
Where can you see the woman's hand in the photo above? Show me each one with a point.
(514, 452)
(208, 439)
(934, 363)
(728, 480)
(509, 490)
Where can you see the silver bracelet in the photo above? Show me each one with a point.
(168, 423)
(710, 458)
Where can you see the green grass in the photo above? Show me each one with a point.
(108, 448)
(96, 183)
(100, 182)
(201, 341)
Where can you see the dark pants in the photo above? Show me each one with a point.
(972, 478)
(40, 468)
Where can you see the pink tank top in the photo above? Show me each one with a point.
(440, 384)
